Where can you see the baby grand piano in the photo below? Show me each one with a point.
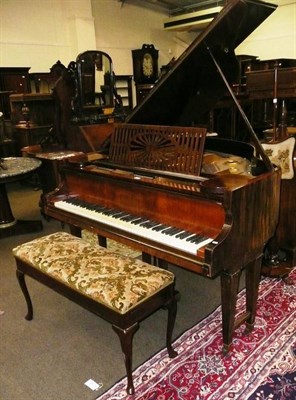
(154, 191)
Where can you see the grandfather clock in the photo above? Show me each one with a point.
(145, 69)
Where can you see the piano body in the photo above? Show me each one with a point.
(154, 192)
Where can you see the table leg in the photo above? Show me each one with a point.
(6, 216)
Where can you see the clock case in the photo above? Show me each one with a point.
(138, 61)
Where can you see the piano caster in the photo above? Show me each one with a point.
(249, 328)
(226, 348)
(172, 353)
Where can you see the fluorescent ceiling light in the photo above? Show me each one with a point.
(192, 21)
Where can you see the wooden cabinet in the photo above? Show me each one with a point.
(39, 120)
(12, 80)
(29, 135)
(41, 108)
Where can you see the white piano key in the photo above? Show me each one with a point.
(126, 226)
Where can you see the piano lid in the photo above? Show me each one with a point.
(194, 84)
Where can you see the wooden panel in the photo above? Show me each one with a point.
(261, 84)
(95, 135)
(170, 148)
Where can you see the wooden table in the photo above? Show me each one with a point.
(11, 170)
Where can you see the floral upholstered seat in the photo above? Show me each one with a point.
(116, 281)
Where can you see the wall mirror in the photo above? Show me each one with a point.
(95, 80)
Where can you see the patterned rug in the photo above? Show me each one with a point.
(260, 366)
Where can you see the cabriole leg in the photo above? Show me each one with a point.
(126, 339)
(21, 279)
(172, 312)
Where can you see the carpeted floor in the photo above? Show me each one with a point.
(260, 366)
(53, 356)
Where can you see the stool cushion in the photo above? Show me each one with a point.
(112, 279)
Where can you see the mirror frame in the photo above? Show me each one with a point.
(95, 56)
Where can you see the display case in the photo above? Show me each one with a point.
(123, 86)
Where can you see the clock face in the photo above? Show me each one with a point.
(147, 65)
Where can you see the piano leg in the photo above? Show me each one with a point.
(102, 241)
(253, 276)
(75, 230)
(229, 289)
(157, 262)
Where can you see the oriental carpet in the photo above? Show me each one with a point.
(259, 366)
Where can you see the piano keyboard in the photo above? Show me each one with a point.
(171, 236)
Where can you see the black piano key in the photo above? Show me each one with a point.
(115, 214)
(184, 235)
(110, 212)
(191, 238)
(128, 218)
(138, 221)
(196, 238)
(120, 215)
(149, 224)
(74, 201)
(95, 207)
(160, 228)
(166, 231)
(171, 231)
(107, 211)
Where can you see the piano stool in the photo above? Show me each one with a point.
(120, 289)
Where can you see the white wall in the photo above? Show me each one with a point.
(122, 28)
(276, 36)
(37, 33)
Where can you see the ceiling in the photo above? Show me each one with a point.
(176, 7)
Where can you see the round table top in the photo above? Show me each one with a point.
(16, 166)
